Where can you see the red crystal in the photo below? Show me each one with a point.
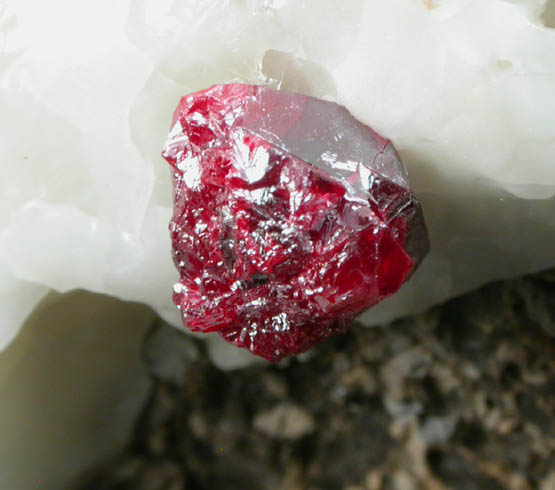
(290, 217)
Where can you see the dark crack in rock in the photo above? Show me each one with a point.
(461, 397)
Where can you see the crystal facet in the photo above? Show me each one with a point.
(290, 217)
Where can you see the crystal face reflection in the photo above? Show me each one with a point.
(290, 217)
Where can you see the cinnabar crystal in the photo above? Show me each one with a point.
(290, 217)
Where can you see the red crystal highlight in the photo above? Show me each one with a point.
(290, 217)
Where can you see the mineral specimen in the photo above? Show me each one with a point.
(290, 217)
(85, 201)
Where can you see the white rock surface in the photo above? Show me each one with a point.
(71, 385)
(464, 88)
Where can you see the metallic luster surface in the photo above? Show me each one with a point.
(290, 217)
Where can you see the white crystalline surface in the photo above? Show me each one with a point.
(464, 88)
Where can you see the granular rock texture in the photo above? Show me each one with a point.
(290, 217)
(461, 397)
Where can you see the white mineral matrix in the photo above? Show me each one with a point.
(464, 88)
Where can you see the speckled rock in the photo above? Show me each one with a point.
(461, 397)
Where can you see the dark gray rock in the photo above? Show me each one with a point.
(462, 397)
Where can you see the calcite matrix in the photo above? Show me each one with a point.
(290, 217)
